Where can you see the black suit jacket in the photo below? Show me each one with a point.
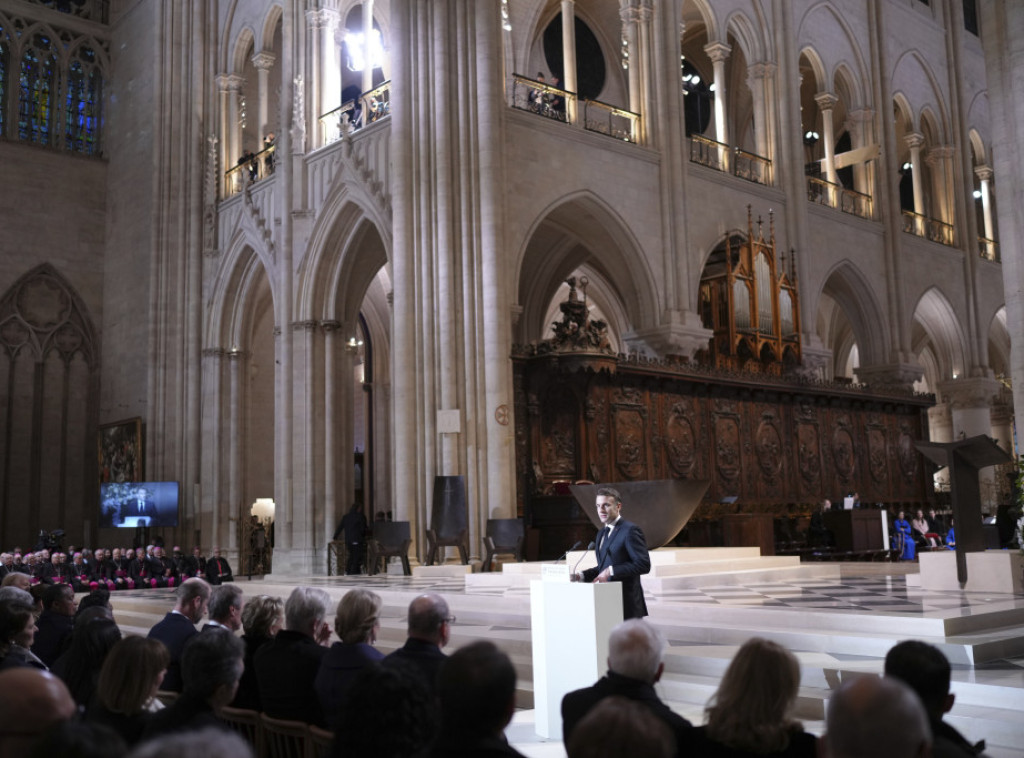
(53, 630)
(421, 656)
(577, 704)
(286, 669)
(626, 552)
(174, 631)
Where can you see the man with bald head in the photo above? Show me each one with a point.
(875, 717)
(429, 630)
(31, 701)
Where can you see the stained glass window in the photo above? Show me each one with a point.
(38, 90)
(82, 105)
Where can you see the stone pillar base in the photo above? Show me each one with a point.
(298, 562)
(682, 335)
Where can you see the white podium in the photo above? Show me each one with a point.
(570, 623)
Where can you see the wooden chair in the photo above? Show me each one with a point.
(390, 538)
(247, 723)
(283, 738)
(318, 742)
(504, 535)
(449, 525)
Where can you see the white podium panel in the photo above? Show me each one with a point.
(570, 624)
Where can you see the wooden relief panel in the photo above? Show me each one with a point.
(768, 449)
(878, 458)
(558, 436)
(680, 440)
(843, 453)
(727, 455)
(630, 443)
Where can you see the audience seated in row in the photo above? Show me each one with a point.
(179, 626)
(262, 619)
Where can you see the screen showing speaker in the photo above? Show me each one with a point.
(134, 504)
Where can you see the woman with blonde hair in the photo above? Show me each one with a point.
(356, 624)
(751, 713)
(262, 619)
(125, 698)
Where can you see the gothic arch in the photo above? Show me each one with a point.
(233, 292)
(848, 313)
(912, 76)
(581, 229)
(999, 343)
(935, 324)
(243, 47)
(701, 11)
(269, 28)
(843, 47)
(752, 37)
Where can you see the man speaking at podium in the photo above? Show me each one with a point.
(621, 552)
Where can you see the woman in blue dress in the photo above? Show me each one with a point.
(905, 535)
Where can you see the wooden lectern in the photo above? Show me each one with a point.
(570, 623)
(965, 458)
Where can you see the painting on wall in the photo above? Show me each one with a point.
(120, 451)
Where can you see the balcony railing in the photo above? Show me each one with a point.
(540, 97)
(250, 169)
(988, 249)
(371, 106)
(929, 228)
(607, 119)
(730, 160)
(836, 196)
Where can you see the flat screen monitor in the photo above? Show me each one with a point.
(134, 504)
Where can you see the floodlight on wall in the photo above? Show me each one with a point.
(811, 138)
(908, 166)
(361, 53)
(977, 194)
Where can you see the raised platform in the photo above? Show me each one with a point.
(840, 624)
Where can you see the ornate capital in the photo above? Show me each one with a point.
(983, 172)
(897, 375)
(718, 52)
(308, 325)
(330, 326)
(826, 100)
(323, 18)
(970, 392)
(213, 352)
(263, 61)
(914, 140)
(761, 71)
(939, 154)
(230, 82)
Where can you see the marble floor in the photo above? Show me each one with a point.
(838, 625)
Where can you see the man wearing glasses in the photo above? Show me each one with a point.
(622, 554)
(430, 627)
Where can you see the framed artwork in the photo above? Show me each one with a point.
(120, 451)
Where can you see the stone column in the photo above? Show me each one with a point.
(971, 400)
(644, 15)
(263, 63)
(940, 429)
(333, 446)
(758, 77)
(367, 36)
(230, 86)
(826, 103)
(630, 20)
(915, 141)
(569, 56)
(236, 365)
(718, 52)
(984, 174)
(940, 160)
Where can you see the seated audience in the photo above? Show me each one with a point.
(619, 727)
(210, 668)
(356, 623)
(78, 739)
(636, 651)
(17, 579)
(126, 691)
(287, 666)
(924, 669)
(262, 619)
(55, 623)
(872, 717)
(31, 702)
(428, 631)
(951, 534)
(225, 609)
(751, 712)
(203, 743)
(17, 631)
(179, 626)
(404, 729)
(80, 666)
(922, 532)
(476, 690)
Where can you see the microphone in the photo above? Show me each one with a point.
(589, 548)
(575, 545)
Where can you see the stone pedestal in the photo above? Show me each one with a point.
(988, 571)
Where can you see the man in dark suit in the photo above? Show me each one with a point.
(139, 505)
(429, 631)
(179, 626)
(211, 666)
(621, 554)
(636, 651)
(56, 622)
(286, 667)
